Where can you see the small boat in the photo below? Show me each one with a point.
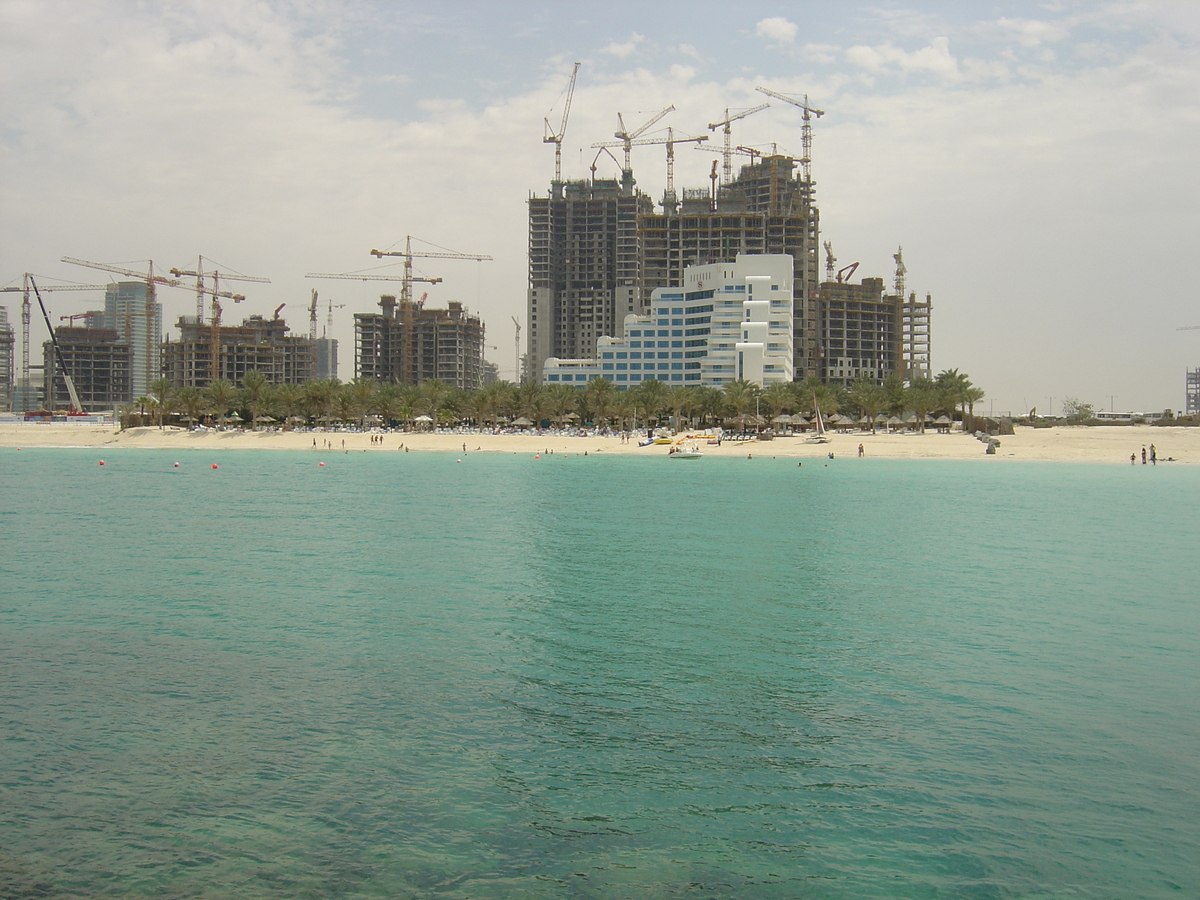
(820, 436)
(689, 450)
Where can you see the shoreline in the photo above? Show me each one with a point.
(1093, 444)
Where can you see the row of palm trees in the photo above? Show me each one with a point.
(257, 401)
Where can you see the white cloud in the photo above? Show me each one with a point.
(626, 48)
(777, 30)
(1030, 32)
(934, 58)
(822, 54)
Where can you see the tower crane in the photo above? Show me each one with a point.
(830, 260)
(26, 318)
(332, 307)
(312, 317)
(216, 277)
(556, 137)
(151, 281)
(409, 255)
(517, 325)
(728, 132)
(806, 130)
(627, 136)
(670, 141)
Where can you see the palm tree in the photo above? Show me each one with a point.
(564, 400)
(741, 396)
(254, 383)
(708, 402)
(868, 396)
(679, 401)
(163, 391)
(361, 396)
(432, 396)
(191, 401)
(650, 396)
(922, 396)
(221, 396)
(598, 399)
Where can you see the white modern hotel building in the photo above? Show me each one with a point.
(729, 321)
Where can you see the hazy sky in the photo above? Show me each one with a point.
(1037, 161)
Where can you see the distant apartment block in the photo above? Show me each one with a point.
(407, 343)
(1192, 397)
(7, 374)
(101, 365)
(204, 351)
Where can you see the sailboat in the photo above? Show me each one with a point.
(821, 436)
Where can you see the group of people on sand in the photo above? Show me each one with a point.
(1153, 459)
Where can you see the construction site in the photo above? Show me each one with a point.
(598, 248)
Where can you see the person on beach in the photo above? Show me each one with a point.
(1153, 456)
(860, 450)
(1133, 458)
(1143, 456)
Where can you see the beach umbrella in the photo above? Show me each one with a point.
(798, 419)
(263, 419)
(423, 419)
(523, 422)
(782, 419)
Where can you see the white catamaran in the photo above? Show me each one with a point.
(820, 436)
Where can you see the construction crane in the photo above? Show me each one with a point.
(216, 277)
(627, 136)
(409, 255)
(151, 281)
(26, 318)
(830, 260)
(76, 406)
(728, 132)
(806, 130)
(517, 325)
(670, 141)
(332, 307)
(556, 137)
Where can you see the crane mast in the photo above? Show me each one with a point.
(556, 137)
(409, 255)
(725, 124)
(26, 313)
(806, 129)
(216, 277)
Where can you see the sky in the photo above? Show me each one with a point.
(1037, 161)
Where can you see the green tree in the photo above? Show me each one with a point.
(254, 383)
(741, 397)
(221, 395)
(868, 396)
(1076, 412)
(192, 401)
(921, 397)
(650, 398)
(598, 400)
(162, 390)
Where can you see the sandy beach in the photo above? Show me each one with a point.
(1100, 444)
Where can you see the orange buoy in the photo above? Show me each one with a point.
(101, 462)
(320, 464)
(215, 466)
(177, 465)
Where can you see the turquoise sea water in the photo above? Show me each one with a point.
(399, 675)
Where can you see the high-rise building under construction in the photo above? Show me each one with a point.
(406, 343)
(598, 248)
